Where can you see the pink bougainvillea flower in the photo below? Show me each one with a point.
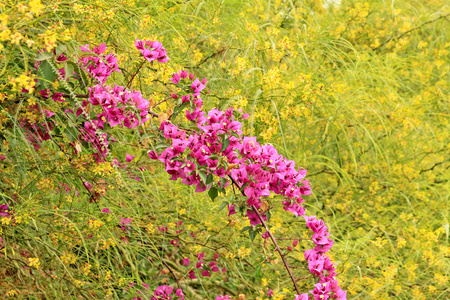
(197, 86)
(213, 266)
(192, 275)
(183, 74)
(301, 297)
(106, 211)
(206, 273)
(231, 210)
(100, 49)
(175, 78)
(179, 293)
(129, 157)
(163, 228)
(125, 221)
(85, 48)
(200, 256)
(186, 261)
(4, 210)
(125, 224)
(153, 155)
(253, 217)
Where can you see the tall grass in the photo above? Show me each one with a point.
(332, 88)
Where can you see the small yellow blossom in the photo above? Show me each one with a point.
(13, 293)
(34, 262)
(36, 7)
(68, 258)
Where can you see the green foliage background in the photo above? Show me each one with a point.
(356, 93)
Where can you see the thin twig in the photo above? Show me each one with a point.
(274, 241)
(135, 73)
(160, 102)
(411, 30)
(209, 57)
(171, 272)
(76, 96)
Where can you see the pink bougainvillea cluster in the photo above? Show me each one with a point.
(212, 155)
(119, 105)
(217, 155)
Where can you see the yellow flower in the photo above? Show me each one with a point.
(12, 293)
(87, 269)
(49, 38)
(68, 258)
(264, 282)
(95, 223)
(6, 220)
(36, 7)
(34, 262)
(79, 283)
(16, 37)
(4, 19)
(108, 276)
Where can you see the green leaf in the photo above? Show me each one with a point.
(243, 187)
(268, 215)
(71, 133)
(225, 144)
(149, 136)
(223, 181)
(68, 69)
(258, 271)
(213, 193)
(56, 130)
(47, 73)
(253, 234)
(61, 49)
(178, 109)
(209, 179)
(246, 228)
(223, 205)
(84, 79)
(44, 56)
(160, 145)
(202, 176)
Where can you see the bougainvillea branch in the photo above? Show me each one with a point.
(135, 73)
(211, 155)
(274, 241)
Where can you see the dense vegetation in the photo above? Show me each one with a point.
(354, 92)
